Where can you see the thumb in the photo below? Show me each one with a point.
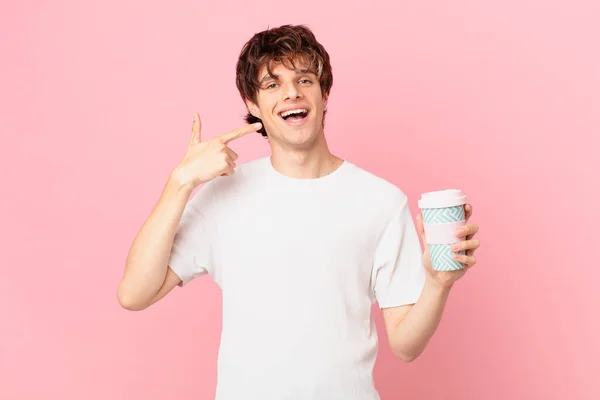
(196, 127)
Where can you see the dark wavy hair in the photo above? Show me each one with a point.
(284, 45)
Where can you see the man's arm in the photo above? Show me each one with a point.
(171, 280)
(147, 278)
(410, 327)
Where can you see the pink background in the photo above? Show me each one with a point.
(499, 99)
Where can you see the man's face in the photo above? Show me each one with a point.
(290, 105)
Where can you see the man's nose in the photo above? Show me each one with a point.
(291, 91)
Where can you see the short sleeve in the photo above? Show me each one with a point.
(193, 250)
(398, 271)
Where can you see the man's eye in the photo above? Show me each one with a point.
(272, 85)
(305, 80)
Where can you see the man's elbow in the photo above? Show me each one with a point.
(129, 303)
(405, 357)
(409, 359)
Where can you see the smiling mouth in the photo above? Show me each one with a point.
(294, 116)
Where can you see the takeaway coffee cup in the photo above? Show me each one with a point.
(443, 213)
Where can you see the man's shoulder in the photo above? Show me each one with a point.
(243, 173)
(365, 180)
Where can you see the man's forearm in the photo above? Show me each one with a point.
(146, 264)
(414, 331)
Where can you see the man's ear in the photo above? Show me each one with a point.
(253, 108)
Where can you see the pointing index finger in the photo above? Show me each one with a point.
(238, 133)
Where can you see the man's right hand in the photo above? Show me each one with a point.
(206, 160)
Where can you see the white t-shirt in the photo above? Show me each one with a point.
(300, 263)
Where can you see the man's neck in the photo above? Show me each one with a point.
(304, 164)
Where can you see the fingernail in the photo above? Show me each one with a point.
(460, 231)
(257, 125)
(455, 247)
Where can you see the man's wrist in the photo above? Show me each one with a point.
(436, 285)
(178, 184)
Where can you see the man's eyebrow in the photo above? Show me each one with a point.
(268, 76)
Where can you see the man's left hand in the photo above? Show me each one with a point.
(447, 278)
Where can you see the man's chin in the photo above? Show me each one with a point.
(294, 134)
(299, 140)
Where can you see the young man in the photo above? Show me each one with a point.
(302, 242)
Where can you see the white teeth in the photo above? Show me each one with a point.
(298, 111)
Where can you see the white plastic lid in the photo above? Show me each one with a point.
(442, 198)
